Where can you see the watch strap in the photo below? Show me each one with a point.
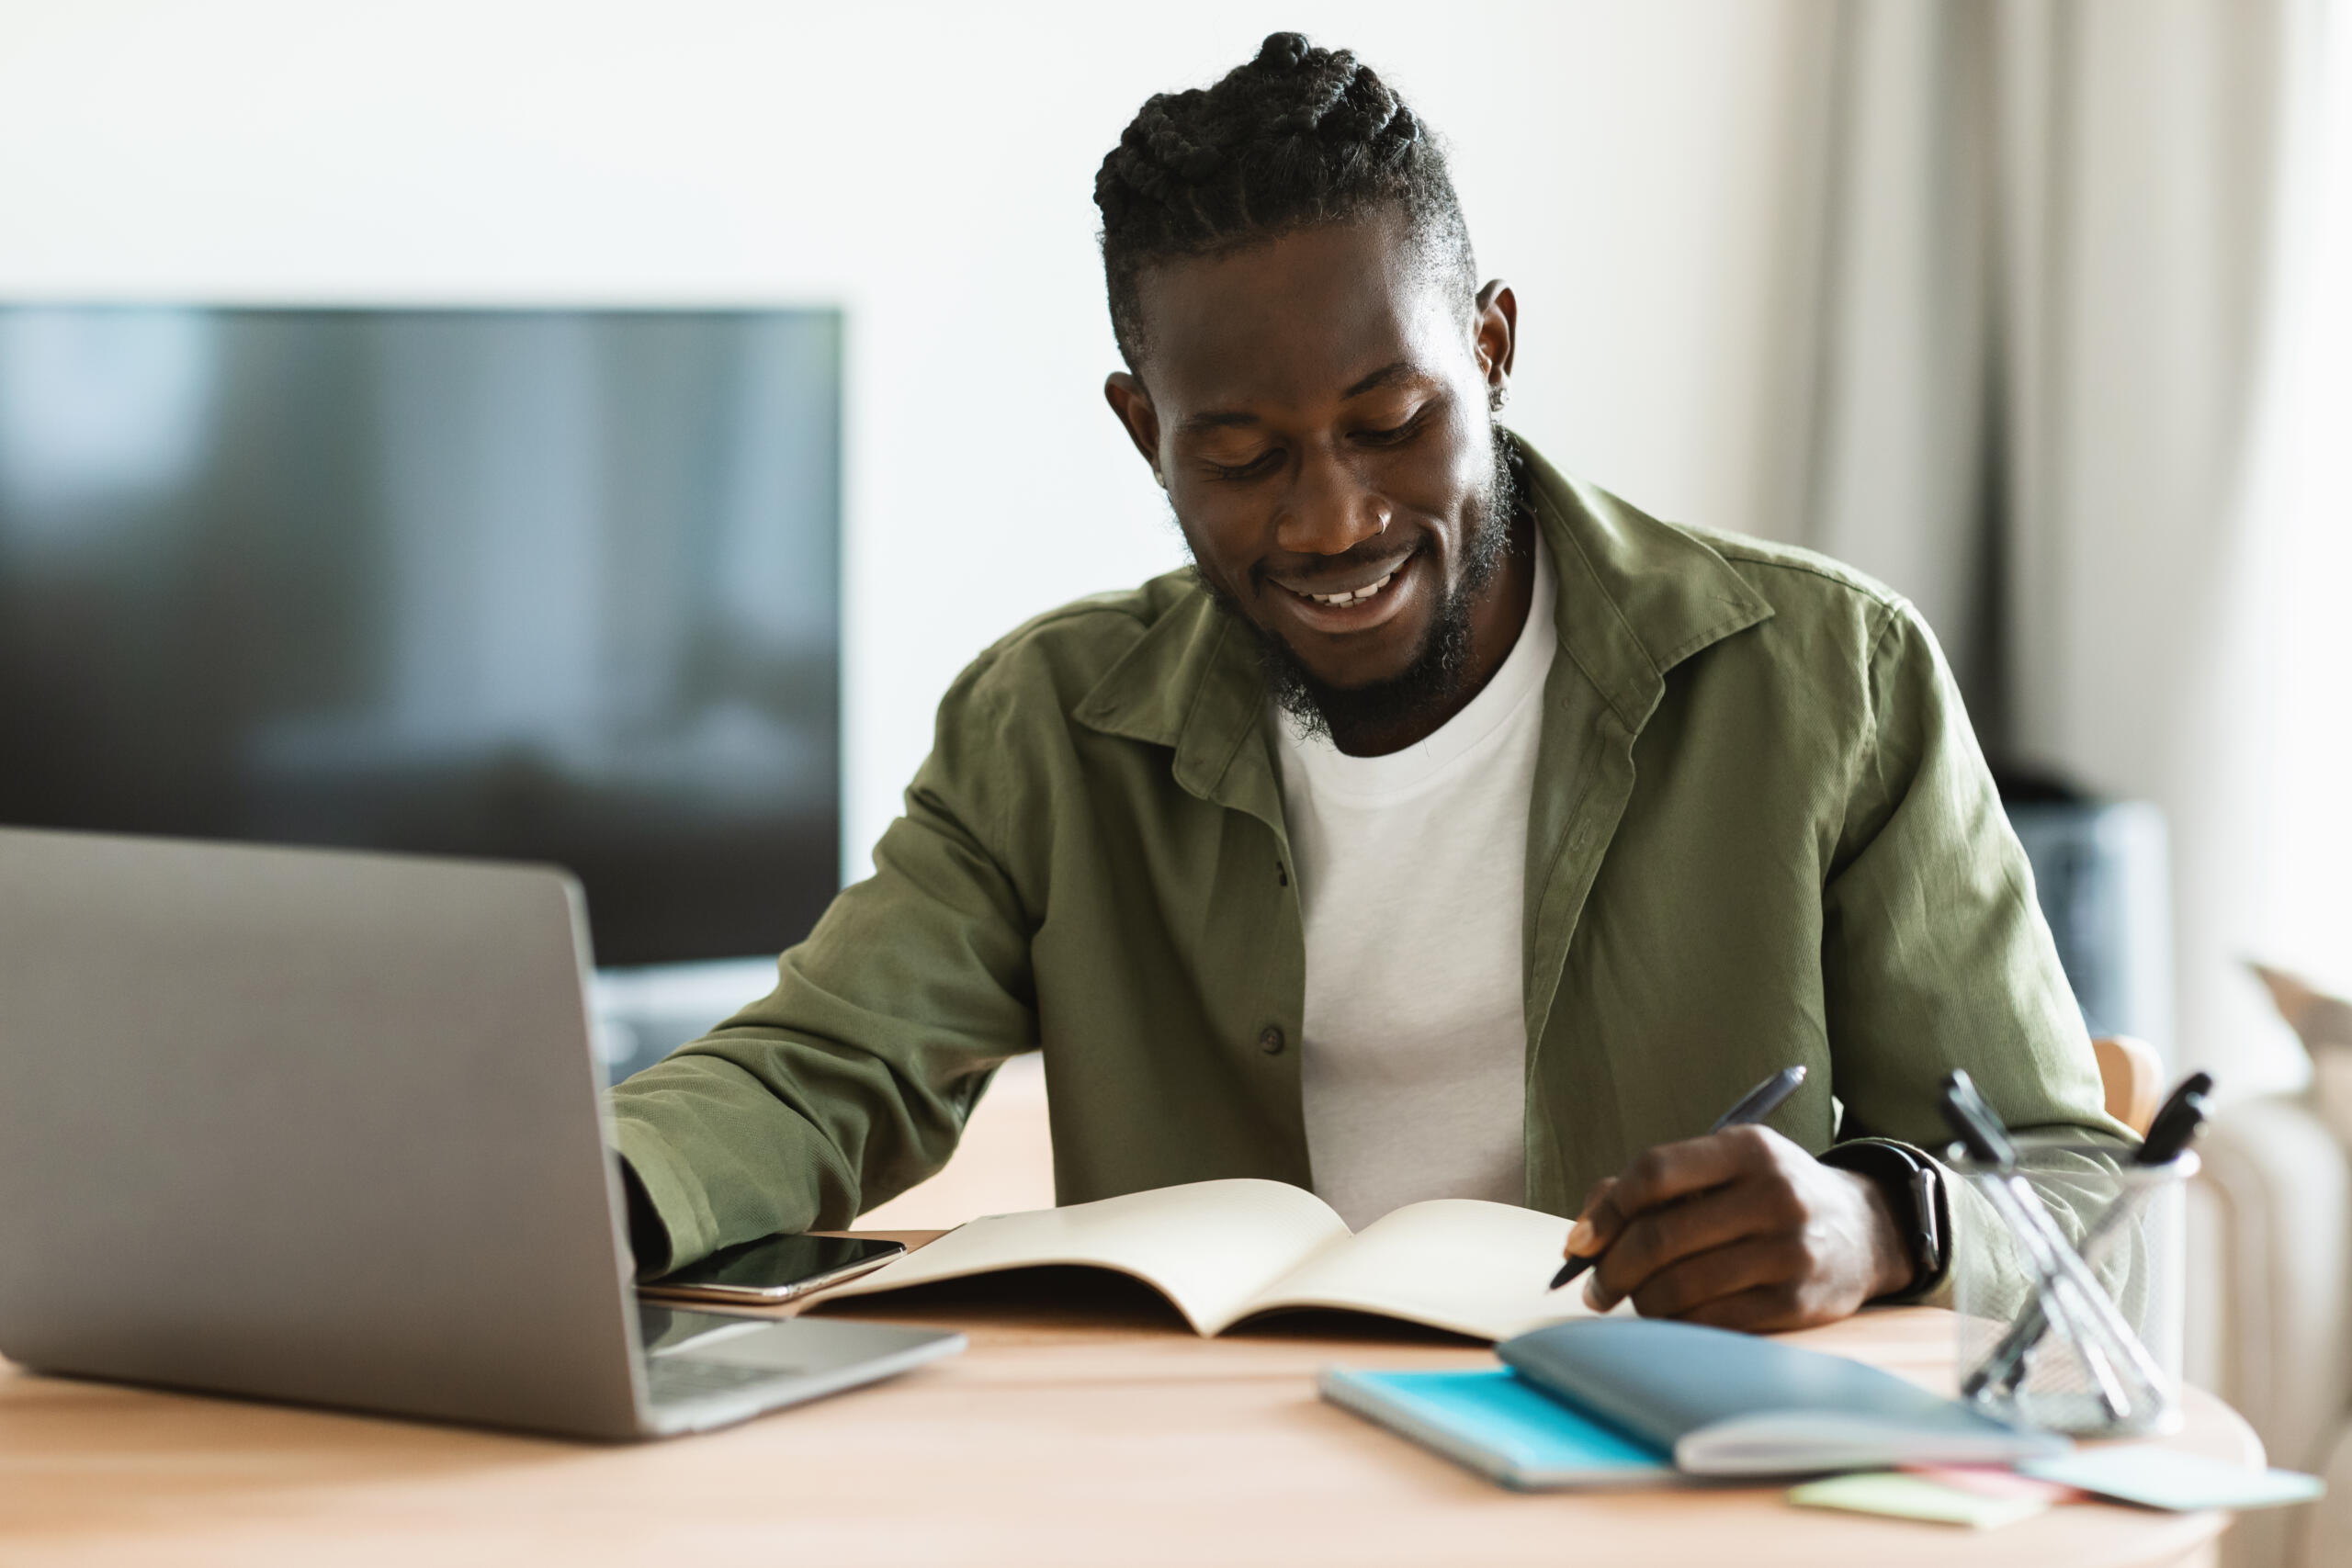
(1914, 1185)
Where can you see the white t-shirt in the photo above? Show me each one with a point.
(1411, 870)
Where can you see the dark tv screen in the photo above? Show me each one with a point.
(547, 585)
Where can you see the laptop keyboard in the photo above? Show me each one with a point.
(673, 1378)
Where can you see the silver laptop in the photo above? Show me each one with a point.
(323, 1127)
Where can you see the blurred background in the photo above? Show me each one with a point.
(601, 432)
(2025, 308)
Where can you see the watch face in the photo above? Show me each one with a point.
(1928, 1225)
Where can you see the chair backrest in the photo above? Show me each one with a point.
(2132, 1075)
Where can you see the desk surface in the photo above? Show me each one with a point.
(1091, 1430)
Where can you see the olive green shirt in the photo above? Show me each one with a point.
(1761, 834)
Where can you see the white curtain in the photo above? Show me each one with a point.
(2303, 490)
(2059, 251)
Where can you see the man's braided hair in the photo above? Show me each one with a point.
(1299, 136)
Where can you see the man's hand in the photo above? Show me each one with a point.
(1740, 1229)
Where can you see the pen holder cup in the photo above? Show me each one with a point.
(2070, 1300)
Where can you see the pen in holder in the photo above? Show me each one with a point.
(2075, 1326)
(2061, 1301)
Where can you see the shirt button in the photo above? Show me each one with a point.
(1270, 1042)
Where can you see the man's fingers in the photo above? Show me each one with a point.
(1671, 1172)
(1657, 1241)
(1689, 1284)
(1598, 1222)
(1678, 1199)
(1740, 1228)
(1761, 1310)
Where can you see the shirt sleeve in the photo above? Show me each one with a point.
(1934, 952)
(852, 1080)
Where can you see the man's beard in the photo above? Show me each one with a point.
(1435, 678)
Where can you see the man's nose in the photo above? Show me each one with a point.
(1329, 511)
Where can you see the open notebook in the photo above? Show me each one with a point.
(1222, 1251)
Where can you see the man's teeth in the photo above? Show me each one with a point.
(1366, 592)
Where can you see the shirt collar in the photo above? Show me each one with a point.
(1635, 598)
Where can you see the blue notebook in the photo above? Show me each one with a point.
(1499, 1424)
(1726, 1403)
(1615, 1402)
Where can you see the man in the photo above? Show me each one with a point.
(1451, 828)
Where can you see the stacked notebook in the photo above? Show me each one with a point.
(1638, 1402)
(1635, 1402)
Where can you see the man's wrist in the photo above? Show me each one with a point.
(1908, 1188)
(1891, 1265)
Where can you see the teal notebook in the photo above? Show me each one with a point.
(1726, 1403)
(1499, 1424)
(1622, 1401)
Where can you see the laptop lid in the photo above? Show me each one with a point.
(307, 1125)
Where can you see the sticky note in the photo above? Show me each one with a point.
(2165, 1478)
(1901, 1497)
(1989, 1481)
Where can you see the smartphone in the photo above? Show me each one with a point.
(772, 1270)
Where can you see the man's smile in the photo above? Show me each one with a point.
(1352, 601)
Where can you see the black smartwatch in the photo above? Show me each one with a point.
(1914, 1186)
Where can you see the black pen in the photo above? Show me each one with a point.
(1753, 1107)
(2172, 1128)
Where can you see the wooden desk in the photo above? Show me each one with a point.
(1091, 1431)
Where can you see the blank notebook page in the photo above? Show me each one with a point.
(1475, 1267)
(1210, 1246)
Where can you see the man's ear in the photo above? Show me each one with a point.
(1128, 399)
(1493, 330)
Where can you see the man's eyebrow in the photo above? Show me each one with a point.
(1388, 375)
(1397, 370)
(1218, 419)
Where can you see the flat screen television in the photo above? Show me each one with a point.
(558, 585)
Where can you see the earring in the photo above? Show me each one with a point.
(1498, 395)
(1160, 479)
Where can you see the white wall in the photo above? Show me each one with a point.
(931, 167)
